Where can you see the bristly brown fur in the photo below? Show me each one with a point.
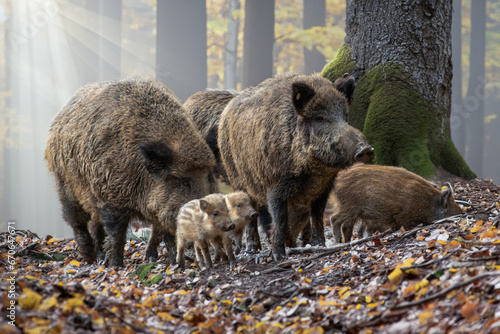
(283, 142)
(123, 150)
(385, 197)
(205, 108)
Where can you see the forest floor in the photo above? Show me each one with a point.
(440, 278)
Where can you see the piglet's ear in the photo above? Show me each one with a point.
(203, 205)
(157, 157)
(446, 198)
(302, 93)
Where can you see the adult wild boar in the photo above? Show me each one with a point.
(283, 142)
(386, 197)
(124, 150)
(205, 108)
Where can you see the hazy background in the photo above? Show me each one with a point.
(50, 48)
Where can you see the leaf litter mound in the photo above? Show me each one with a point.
(440, 278)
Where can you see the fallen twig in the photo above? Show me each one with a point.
(444, 292)
(492, 206)
(341, 247)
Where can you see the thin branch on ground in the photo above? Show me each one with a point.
(444, 292)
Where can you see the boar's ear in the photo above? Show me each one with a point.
(203, 205)
(157, 158)
(446, 198)
(346, 85)
(211, 140)
(301, 94)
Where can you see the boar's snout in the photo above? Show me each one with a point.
(253, 214)
(229, 227)
(365, 154)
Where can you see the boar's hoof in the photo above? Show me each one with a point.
(101, 258)
(318, 242)
(253, 248)
(151, 255)
(115, 262)
(365, 154)
(279, 253)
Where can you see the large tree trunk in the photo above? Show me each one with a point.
(258, 40)
(231, 56)
(457, 121)
(314, 15)
(110, 39)
(402, 52)
(474, 101)
(181, 45)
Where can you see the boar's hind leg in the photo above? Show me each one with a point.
(78, 219)
(115, 223)
(317, 225)
(278, 207)
(342, 226)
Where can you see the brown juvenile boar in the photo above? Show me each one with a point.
(124, 150)
(205, 108)
(283, 142)
(202, 222)
(385, 197)
(242, 213)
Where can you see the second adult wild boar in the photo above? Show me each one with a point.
(124, 150)
(385, 197)
(205, 108)
(283, 142)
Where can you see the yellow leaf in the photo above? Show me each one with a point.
(442, 242)
(74, 263)
(425, 316)
(164, 316)
(49, 303)
(226, 302)
(314, 330)
(368, 299)
(327, 303)
(372, 305)
(474, 229)
(396, 276)
(76, 301)
(29, 299)
(325, 270)
(488, 234)
(422, 284)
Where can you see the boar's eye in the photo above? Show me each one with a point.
(320, 118)
(215, 214)
(238, 205)
(185, 182)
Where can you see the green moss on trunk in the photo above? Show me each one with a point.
(399, 123)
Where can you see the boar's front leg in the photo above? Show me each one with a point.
(317, 225)
(278, 207)
(154, 241)
(115, 223)
(171, 247)
(98, 234)
(253, 239)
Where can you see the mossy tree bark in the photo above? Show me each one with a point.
(401, 51)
